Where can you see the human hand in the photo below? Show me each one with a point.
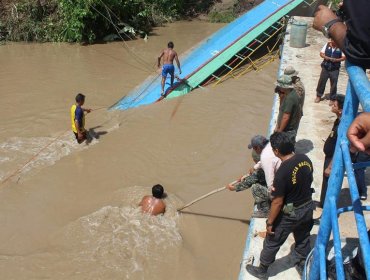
(230, 187)
(327, 171)
(269, 229)
(88, 110)
(251, 170)
(359, 133)
(80, 135)
(323, 16)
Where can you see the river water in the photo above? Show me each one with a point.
(70, 211)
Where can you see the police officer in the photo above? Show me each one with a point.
(291, 207)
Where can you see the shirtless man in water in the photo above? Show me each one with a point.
(154, 205)
(168, 68)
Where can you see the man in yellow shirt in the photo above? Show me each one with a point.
(78, 118)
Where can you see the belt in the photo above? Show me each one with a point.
(302, 203)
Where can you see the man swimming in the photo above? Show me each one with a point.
(168, 68)
(154, 205)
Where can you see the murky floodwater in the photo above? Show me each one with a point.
(70, 213)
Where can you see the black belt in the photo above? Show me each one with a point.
(302, 203)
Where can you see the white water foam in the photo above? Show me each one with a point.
(114, 242)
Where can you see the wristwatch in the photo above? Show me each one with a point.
(325, 29)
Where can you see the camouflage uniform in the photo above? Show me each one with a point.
(256, 181)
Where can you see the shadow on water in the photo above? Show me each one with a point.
(218, 217)
(303, 146)
(92, 134)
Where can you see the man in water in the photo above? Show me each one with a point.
(154, 204)
(168, 68)
(78, 118)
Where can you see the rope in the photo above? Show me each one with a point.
(19, 170)
(205, 196)
(138, 58)
(31, 159)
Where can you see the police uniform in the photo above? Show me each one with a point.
(292, 182)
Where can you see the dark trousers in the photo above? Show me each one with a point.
(360, 173)
(324, 186)
(324, 76)
(300, 225)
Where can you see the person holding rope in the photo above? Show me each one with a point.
(168, 68)
(78, 118)
(291, 207)
(154, 204)
(256, 181)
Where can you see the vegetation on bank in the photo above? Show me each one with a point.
(96, 20)
(88, 20)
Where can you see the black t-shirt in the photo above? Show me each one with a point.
(357, 41)
(293, 179)
(329, 146)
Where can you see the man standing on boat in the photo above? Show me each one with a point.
(168, 68)
(291, 207)
(78, 118)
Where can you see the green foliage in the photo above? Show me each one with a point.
(222, 16)
(85, 20)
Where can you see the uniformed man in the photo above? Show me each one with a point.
(297, 83)
(329, 146)
(291, 207)
(290, 111)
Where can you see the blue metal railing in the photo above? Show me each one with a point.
(358, 92)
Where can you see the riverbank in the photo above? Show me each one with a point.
(314, 128)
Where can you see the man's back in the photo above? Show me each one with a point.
(291, 105)
(168, 56)
(294, 178)
(152, 205)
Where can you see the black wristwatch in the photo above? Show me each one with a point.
(325, 29)
(268, 225)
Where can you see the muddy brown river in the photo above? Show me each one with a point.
(70, 212)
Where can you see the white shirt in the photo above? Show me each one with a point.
(332, 49)
(270, 164)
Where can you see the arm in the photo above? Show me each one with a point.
(276, 205)
(86, 110)
(343, 58)
(142, 201)
(327, 170)
(159, 59)
(326, 57)
(337, 31)
(284, 122)
(79, 130)
(178, 63)
(237, 185)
